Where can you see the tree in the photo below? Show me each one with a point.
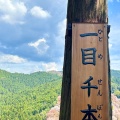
(117, 93)
(78, 11)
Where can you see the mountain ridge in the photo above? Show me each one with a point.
(35, 93)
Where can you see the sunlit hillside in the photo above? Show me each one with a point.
(31, 96)
(27, 96)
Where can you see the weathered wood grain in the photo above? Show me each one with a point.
(81, 73)
(80, 11)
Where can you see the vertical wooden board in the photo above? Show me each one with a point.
(97, 75)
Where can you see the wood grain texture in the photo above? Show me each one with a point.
(94, 11)
(78, 11)
(81, 72)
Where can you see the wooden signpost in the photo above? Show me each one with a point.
(89, 95)
(85, 93)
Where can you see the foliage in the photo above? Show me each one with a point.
(30, 96)
(115, 82)
(27, 96)
(117, 93)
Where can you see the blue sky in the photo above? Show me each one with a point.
(32, 34)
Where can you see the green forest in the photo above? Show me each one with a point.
(27, 96)
(115, 82)
(30, 96)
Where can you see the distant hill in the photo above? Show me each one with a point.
(56, 72)
(27, 96)
(115, 82)
(115, 73)
(30, 96)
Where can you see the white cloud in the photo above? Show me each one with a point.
(3, 46)
(114, 38)
(39, 12)
(114, 46)
(49, 66)
(12, 12)
(40, 45)
(62, 27)
(115, 62)
(110, 45)
(60, 40)
(30, 67)
(60, 37)
(7, 58)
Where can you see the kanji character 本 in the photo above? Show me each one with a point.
(89, 85)
(89, 113)
(88, 56)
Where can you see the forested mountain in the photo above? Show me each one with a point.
(115, 82)
(27, 96)
(30, 96)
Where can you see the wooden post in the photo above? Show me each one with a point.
(89, 72)
(80, 15)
